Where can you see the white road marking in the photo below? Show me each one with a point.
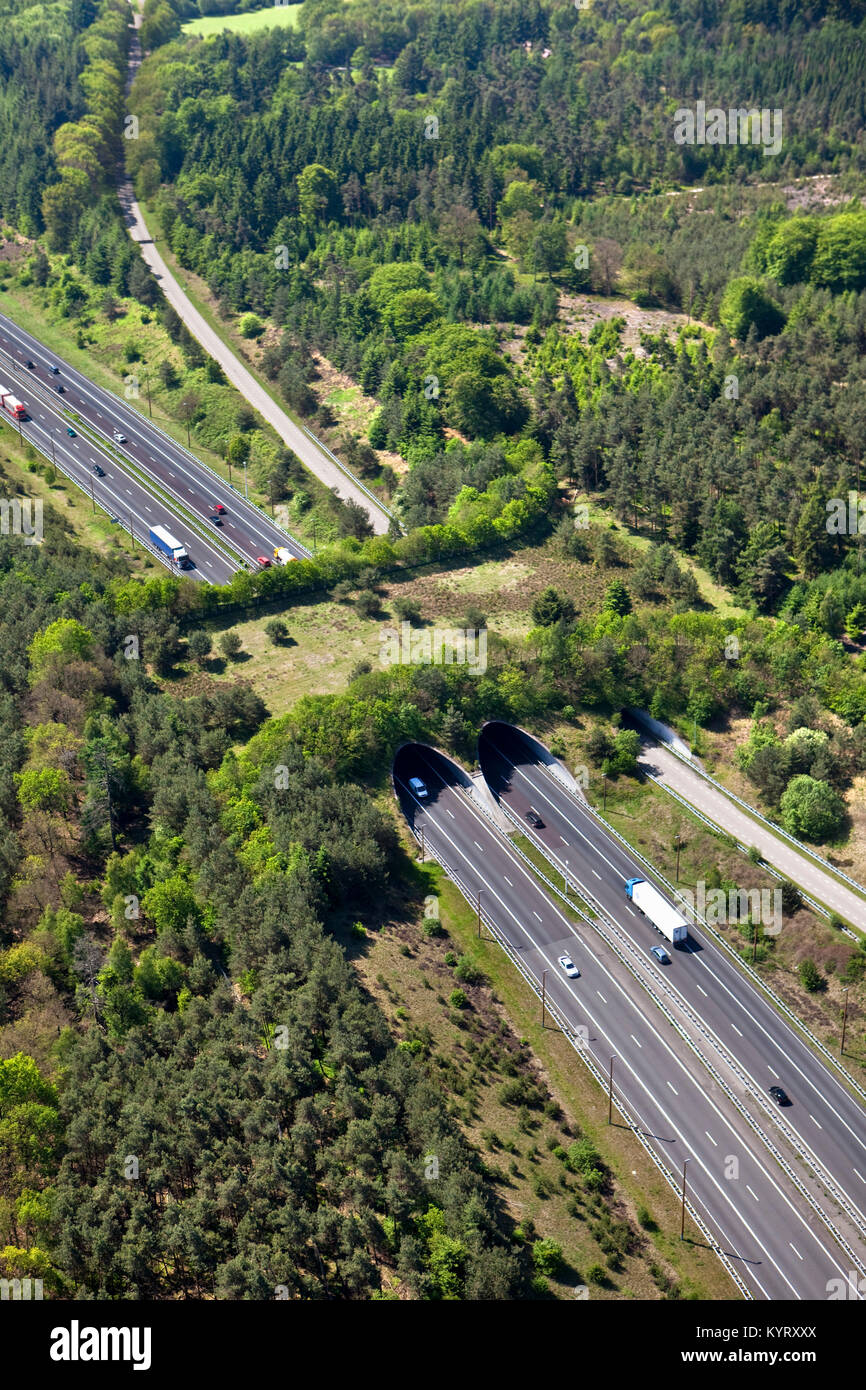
(815, 1122)
(508, 880)
(796, 1251)
(535, 914)
(703, 991)
(601, 996)
(451, 813)
(736, 1030)
(635, 1040)
(754, 1194)
(859, 1175)
(629, 911)
(772, 1073)
(674, 1089)
(598, 876)
(710, 1137)
(477, 846)
(564, 841)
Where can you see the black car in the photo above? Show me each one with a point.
(31, 365)
(534, 819)
(55, 371)
(779, 1096)
(216, 519)
(62, 390)
(100, 472)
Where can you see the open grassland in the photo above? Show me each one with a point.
(250, 23)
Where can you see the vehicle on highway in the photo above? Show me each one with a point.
(264, 561)
(534, 818)
(663, 915)
(70, 431)
(61, 388)
(170, 546)
(282, 555)
(100, 472)
(216, 519)
(119, 438)
(779, 1096)
(660, 954)
(11, 404)
(218, 506)
(419, 788)
(569, 967)
(55, 371)
(30, 364)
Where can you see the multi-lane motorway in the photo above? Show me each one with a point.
(149, 478)
(759, 1218)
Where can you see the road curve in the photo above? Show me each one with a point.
(308, 451)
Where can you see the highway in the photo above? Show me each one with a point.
(827, 1122)
(675, 776)
(120, 495)
(758, 1220)
(246, 532)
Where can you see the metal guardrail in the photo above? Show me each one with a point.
(633, 1125)
(773, 827)
(314, 439)
(199, 463)
(745, 849)
(697, 1022)
(743, 965)
(145, 545)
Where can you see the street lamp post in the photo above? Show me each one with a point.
(683, 1220)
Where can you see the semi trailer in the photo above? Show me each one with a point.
(282, 555)
(11, 404)
(166, 542)
(662, 914)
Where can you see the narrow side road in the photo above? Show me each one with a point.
(310, 454)
(674, 775)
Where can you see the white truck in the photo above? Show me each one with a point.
(282, 555)
(172, 548)
(663, 915)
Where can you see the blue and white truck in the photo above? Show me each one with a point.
(166, 542)
(663, 915)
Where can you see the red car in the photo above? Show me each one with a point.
(218, 506)
(264, 561)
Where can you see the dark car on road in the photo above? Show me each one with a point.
(216, 519)
(534, 819)
(100, 472)
(779, 1096)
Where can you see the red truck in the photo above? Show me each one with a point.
(11, 404)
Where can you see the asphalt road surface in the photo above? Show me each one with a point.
(770, 1236)
(671, 773)
(245, 532)
(828, 1122)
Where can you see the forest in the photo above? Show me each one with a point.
(198, 1097)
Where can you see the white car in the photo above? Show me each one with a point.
(660, 954)
(569, 967)
(119, 438)
(418, 787)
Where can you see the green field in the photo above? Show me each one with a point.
(243, 23)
